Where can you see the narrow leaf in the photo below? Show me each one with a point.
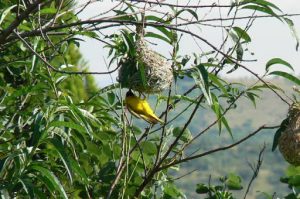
(5, 12)
(48, 11)
(278, 61)
(188, 10)
(277, 135)
(71, 125)
(63, 156)
(293, 30)
(263, 9)
(157, 36)
(286, 76)
(242, 34)
(49, 179)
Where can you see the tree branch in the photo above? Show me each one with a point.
(61, 71)
(214, 5)
(217, 149)
(126, 22)
(19, 19)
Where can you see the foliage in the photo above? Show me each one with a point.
(292, 180)
(232, 182)
(60, 137)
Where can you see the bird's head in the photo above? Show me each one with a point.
(129, 93)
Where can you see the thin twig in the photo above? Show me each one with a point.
(256, 170)
(214, 5)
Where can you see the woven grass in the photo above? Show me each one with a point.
(148, 72)
(289, 141)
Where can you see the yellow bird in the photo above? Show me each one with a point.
(140, 108)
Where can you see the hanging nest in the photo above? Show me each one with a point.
(147, 72)
(289, 141)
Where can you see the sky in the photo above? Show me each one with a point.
(270, 38)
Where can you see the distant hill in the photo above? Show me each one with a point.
(269, 110)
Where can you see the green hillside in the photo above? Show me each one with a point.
(244, 119)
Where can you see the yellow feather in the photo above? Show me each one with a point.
(140, 108)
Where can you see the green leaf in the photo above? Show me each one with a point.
(233, 182)
(5, 13)
(293, 30)
(200, 76)
(291, 196)
(225, 123)
(216, 80)
(266, 195)
(45, 11)
(28, 187)
(111, 97)
(202, 188)
(83, 116)
(239, 52)
(186, 135)
(37, 129)
(142, 73)
(154, 18)
(261, 2)
(184, 98)
(188, 10)
(157, 36)
(294, 180)
(71, 125)
(123, 16)
(60, 148)
(263, 9)
(90, 34)
(148, 147)
(277, 135)
(293, 170)
(49, 179)
(217, 108)
(286, 76)
(252, 97)
(242, 34)
(171, 191)
(204, 74)
(128, 37)
(278, 61)
(165, 31)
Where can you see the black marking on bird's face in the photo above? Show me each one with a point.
(129, 93)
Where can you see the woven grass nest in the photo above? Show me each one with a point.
(148, 72)
(289, 141)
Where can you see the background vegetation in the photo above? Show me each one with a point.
(62, 137)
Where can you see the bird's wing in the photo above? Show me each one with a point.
(148, 112)
(141, 109)
(142, 116)
(133, 112)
